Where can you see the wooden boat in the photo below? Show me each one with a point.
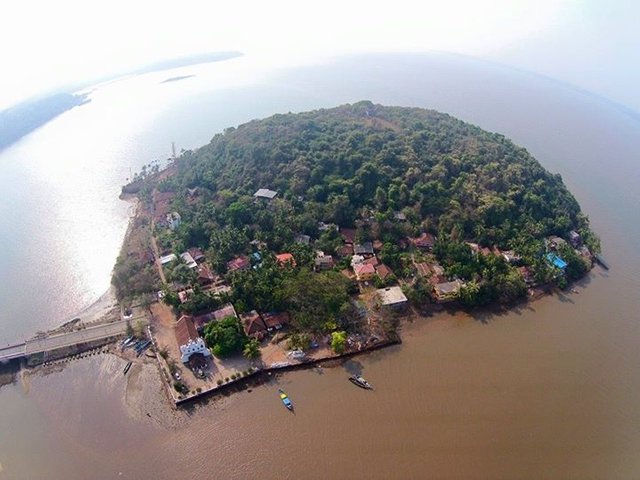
(602, 262)
(126, 369)
(285, 400)
(360, 382)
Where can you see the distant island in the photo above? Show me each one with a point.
(177, 79)
(313, 233)
(25, 117)
(17, 121)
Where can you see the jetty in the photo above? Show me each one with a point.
(63, 340)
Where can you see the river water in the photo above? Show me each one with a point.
(547, 390)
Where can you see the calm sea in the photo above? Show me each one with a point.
(549, 390)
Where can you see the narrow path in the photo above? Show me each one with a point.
(156, 253)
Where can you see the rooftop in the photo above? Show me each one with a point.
(284, 258)
(265, 193)
(391, 296)
(188, 259)
(185, 330)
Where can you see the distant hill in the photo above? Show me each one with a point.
(25, 117)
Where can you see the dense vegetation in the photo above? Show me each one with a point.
(360, 166)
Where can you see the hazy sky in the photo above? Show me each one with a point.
(593, 44)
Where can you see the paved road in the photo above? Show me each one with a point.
(14, 351)
(73, 338)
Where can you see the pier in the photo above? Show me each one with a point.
(63, 340)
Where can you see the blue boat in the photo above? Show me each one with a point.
(285, 400)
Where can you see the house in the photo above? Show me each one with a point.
(383, 271)
(556, 261)
(377, 245)
(302, 239)
(224, 312)
(344, 251)
(258, 244)
(555, 242)
(184, 295)
(371, 261)
(348, 273)
(265, 193)
(574, 238)
(486, 251)
(168, 259)
(275, 320)
(348, 235)
(238, 263)
(188, 259)
(202, 320)
(423, 269)
(356, 260)
(205, 275)
(527, 275)
(196, 254)
(447, 291)
(584, 251)
(173, 220)
(437, 273)
(188, 339)
(286, 259)
(392, 297)
(365, 249)
(400, 216)
(511, 257)
(425, 241)
(364, 272)
(323, 262)
(253, 325)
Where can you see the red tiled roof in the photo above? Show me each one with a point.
(204, 274)
(252, 323)
(425, 240)
(348, 234)
(185, 330)
(383, 271)
(238, 263)
(273, 319)
(371, 261)
(345, 251)
(364, 268)
(284, 258)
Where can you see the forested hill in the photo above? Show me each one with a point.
(448, 177)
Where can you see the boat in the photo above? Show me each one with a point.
(360, 382)
(126, 369)
(602, 262)
(143, 347)
(285, 400)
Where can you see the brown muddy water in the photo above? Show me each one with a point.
(548, 390)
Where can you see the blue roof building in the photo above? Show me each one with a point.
(556, 261)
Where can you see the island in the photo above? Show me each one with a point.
(306, 237)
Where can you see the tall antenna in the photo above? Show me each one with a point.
(173, 149)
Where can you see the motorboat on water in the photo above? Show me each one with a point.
(285, 400)
(360, 382)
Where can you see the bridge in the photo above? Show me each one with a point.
(47, 344)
